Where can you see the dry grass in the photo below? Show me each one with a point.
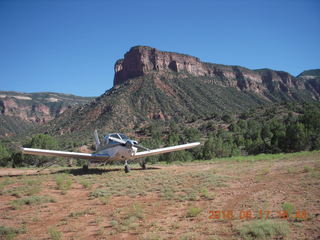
(171, 202)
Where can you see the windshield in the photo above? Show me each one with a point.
(115, 136)
(124, 137)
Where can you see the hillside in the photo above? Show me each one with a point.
(151, 85)
(21, 111)
(312, 79)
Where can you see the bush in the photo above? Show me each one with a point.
(54, 234)
(41, 141)
(63, 182)
(264, 229)
(32, 200)
(9, 232)
(193, 212)
(179, 156)
(4, 156)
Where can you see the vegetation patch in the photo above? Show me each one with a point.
(54, 234)
(3, 183)
(128, 218)
(26, 190)
(288, 208)
(10, 232)
(32, 200)
(63, 182)
(193, 212)
(81, 213)
(264, 229)
(99, 193)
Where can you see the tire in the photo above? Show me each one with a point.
(126, 169)
(85, 168)
(143, 165)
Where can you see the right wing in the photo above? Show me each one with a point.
(44, 152)
(165, 150)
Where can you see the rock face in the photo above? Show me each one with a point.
(37, 107)
(141, 60)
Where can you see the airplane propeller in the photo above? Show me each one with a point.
(129, 143)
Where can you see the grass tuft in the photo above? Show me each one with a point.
(9, 232)
(193, 212)
(32, 200)
(264, 229)
(54, 233)
(63, 182)
(288, 207)
(99, 193)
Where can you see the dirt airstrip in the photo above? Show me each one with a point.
(205, 200)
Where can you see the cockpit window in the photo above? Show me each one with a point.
(115, 136)
(124, 137)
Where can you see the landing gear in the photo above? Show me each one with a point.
(143, 165)
(85, 167)
(126, 167)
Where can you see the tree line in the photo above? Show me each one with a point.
(249, 134)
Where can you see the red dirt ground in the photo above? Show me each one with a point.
(146, 214)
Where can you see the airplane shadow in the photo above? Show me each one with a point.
(99, 171)
(75, 171)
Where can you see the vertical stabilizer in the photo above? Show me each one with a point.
(96, 137)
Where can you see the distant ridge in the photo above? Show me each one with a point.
(22, 111)
(153, 85)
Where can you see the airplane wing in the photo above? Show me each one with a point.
(165, 150)
(44, 152)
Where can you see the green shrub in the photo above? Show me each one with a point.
(54, 234)
(264, 229)
(32, 200)
(9, 232)
(63, 182)
(99, 193)
(288, 207)
(193, 212)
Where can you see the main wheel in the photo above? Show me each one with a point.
(143, 165)
(85, 168)
(126, 169)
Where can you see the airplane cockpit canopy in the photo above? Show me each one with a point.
(119, 136)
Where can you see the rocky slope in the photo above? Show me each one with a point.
(312, 80)
(151, 85)
(20, 111)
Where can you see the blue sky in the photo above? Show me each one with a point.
(70, 46)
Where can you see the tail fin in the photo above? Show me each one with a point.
(96, 137)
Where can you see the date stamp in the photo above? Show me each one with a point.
(248, 214)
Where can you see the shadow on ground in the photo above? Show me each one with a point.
(80, 171)
(74, 171)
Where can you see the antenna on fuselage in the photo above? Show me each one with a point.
(96, 137)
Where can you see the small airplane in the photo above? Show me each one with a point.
(115, 147)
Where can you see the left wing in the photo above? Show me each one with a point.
(165, 150)
(44, 152)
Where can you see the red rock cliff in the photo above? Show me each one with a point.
(141, 60)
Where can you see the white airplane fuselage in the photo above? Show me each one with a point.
(118, 152)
